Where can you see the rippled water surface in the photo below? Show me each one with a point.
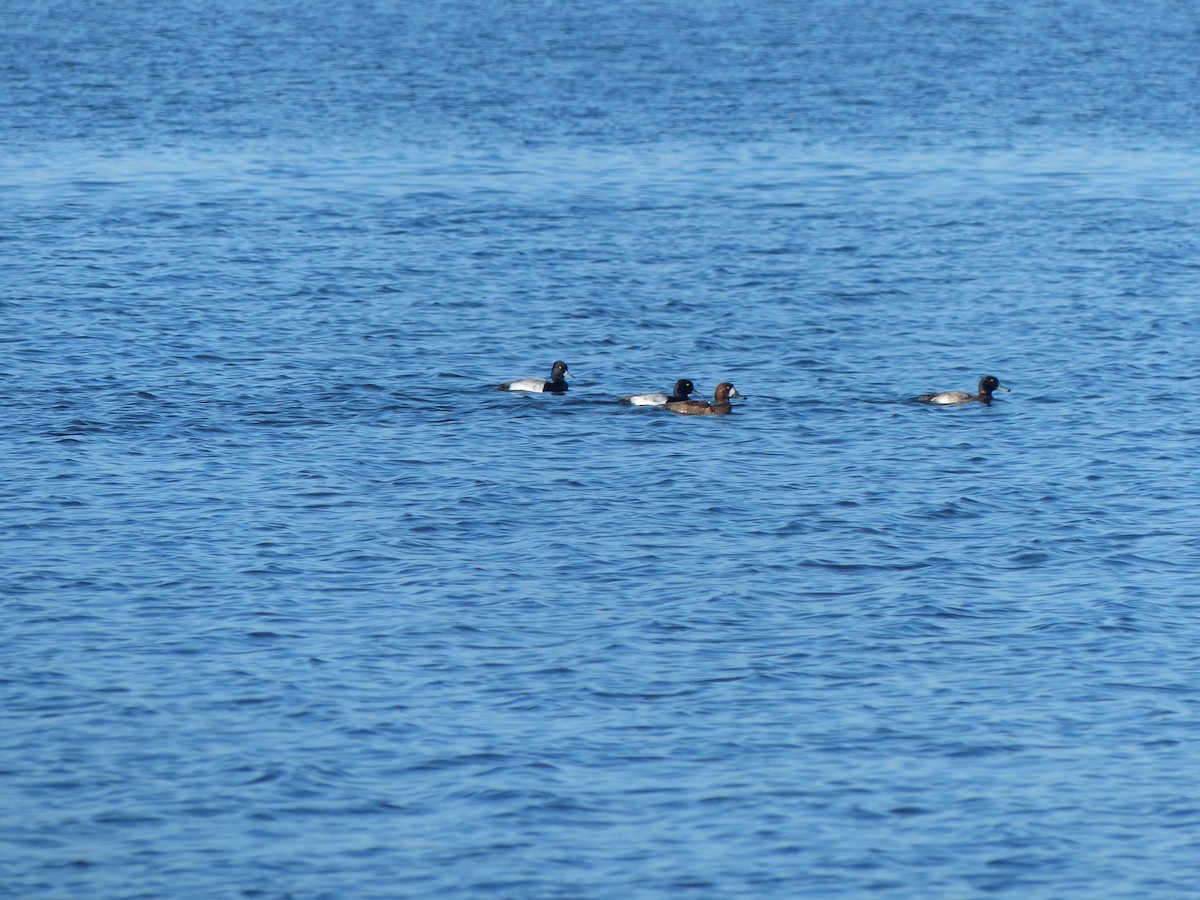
(296, 605)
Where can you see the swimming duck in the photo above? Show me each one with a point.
(679, 393)
(719, 407)
(987, 384)
(556, 385)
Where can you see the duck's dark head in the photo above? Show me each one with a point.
(683, 387)
(988, 384)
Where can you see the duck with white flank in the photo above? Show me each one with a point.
(987, 384)
(556, 385)
(682, 388)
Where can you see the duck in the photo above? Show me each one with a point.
(987, 384)
(719, 407)
(555, 385)
(679, 393)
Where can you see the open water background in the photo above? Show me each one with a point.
(295, 605)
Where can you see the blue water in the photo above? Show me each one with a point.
(294, 604)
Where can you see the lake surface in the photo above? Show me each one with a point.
(295, 604)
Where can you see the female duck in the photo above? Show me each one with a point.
(987, 384)
(719, 407)
(679, 393)
(556, 385)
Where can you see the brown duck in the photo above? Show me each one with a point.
(719, 407)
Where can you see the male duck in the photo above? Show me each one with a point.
(556, 385)
(719, 407)
(679, 393)
(987, 384)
